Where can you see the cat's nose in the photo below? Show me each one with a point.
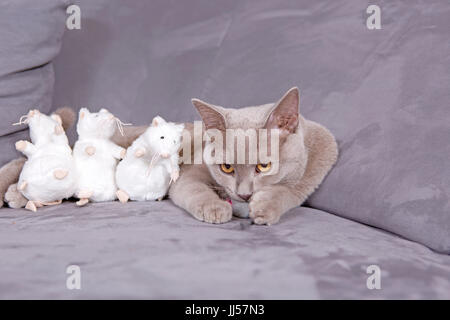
(244, 197)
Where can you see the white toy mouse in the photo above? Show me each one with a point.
(96, 156)
(151, 163)
(48, 175)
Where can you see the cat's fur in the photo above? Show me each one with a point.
(307, 153)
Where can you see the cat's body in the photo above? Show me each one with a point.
(307, 153)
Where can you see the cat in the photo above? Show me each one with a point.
(308, 151)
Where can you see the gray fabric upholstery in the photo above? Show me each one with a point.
(156, 250)
(389, 108)
(30, 37)
(383, 93)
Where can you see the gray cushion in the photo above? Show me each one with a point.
(389, 108)
(30, 37)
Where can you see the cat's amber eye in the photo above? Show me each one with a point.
(227, 168)
(261, 167)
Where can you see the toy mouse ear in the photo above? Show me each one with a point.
(57, 118)
(157, 121)
(180, 127)
(83, 112)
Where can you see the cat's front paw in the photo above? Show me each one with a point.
(264, 209)
(14, 198)
(213, 211)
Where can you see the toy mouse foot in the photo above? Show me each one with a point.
(31, 206)
(82, 202)
(60, 174)
(122, 196)
(84, 194)
(21, 145)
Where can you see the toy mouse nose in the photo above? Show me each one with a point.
(165, 155)
(244, 197)
(33, 112)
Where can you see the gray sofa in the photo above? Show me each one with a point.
(383, 93)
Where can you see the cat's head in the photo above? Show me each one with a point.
(43, 127)
(277, 127)
(100, 124)
(164, 137)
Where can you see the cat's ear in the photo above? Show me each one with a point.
(83, 112)
(157, 121)
(211, 117)
(284, 115)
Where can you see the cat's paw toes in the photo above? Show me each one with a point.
(214, 211)
(123, 153)
(14, 198)
(21, 145)
(264, 211)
